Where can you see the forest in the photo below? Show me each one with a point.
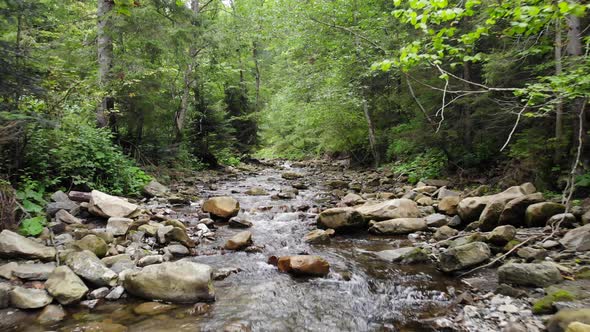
(186, 107)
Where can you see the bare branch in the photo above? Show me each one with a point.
(514, 127)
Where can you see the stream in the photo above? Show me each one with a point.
(361, 293)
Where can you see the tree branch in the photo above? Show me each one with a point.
(343, 28)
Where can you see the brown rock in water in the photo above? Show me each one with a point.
(222, 207)
(304, 265)
(239, 241)
(152, 308)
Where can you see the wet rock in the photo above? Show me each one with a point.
(436, 220)
(94, 244)
(561, 320)
(398, 226)
(155, 188)
(501, 235)
(237, 222)
(239, 241)
(51, 314)
(179, 235)
(104, 205)
(14, 245)
(464, 256)
(65, 286)
(237, 327)
(537, 214)
(318, 236)
(337, 184)
(222, 207)
(304, 265)
(118, 226)
(514, 210)
(152, 308)
(200, 308)
(100, 326)
(256, 191)
(390, 209)
(177, 250)
(529, 274)
(444, 233)
(86, 265)
(33, 271)
(181, 282)
(352, 199)
(406, 255)
(344, 218)
(115, 293)
(225, 272)
(66, 218)
(150, 229)
(577, 239)
(291, 175)
(99, 293)
(448, 205)
(29, 298)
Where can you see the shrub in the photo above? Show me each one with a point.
(429, 164)
(78, 154)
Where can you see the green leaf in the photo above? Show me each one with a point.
(31, 207)
(32, 226)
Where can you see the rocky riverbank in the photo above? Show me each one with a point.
(519, 260)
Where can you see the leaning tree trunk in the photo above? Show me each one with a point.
(105, 58)
(180, 116)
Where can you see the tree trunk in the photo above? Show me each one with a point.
(372, 139)
(105, 58)
(180, 116)
(559, 106)
(466, 112)
(256, 76)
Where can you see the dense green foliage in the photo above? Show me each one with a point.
(425, 87)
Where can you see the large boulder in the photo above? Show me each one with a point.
(514, 211)
(180, 282)
(104, 205)
(86, 265)
(93, 243)
(536, 215)
(222, 207)
(464, 256)
(390, 209)
(489, 217)
(565, 317)
(448, 205)
(29, 298)
(501, 235)
(304, 265)
(343, 218)
(577, 239)
(155, 188)
(15, 245)
(239, 241)
(65, 286)
(398, 226)
(470, 208)
(529, 274)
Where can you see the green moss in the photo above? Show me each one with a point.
(545, 304)
(511, 245)
(583, 274)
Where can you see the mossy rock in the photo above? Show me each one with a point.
(545, 304)
(583, 273)
(510, 245)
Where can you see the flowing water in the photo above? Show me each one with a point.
(361, 293)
